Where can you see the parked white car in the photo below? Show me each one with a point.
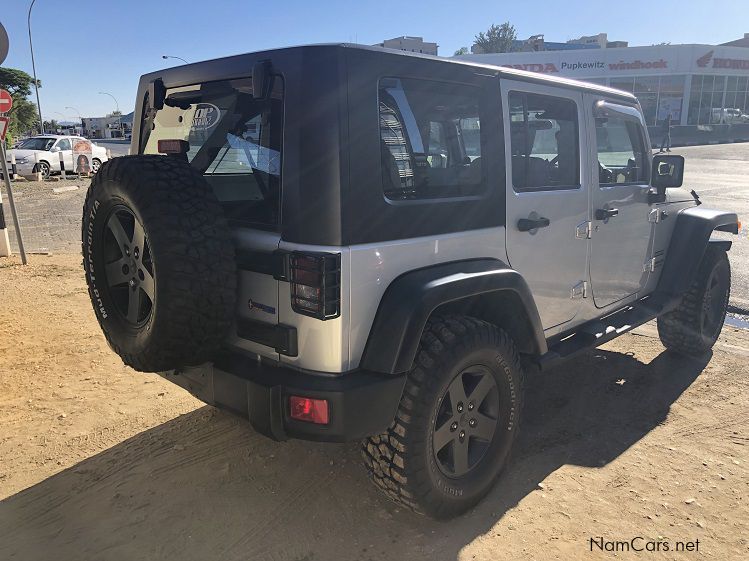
(47, 149)
(729, 116)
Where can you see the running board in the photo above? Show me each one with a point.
(597, 332)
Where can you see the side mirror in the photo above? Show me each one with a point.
(55, 149)
(667, 172)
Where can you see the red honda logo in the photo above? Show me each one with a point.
(704, 60)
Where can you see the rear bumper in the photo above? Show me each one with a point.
(360, 403)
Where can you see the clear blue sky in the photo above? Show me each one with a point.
(86, 46)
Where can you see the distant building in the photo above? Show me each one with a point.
(112, 126)
(695, 84)
(744, 42)
(536, 43)
(410, 44)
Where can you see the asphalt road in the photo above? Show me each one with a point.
(117, 147)
(720, 176)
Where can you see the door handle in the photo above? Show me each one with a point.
(528, 224)
(606, 213)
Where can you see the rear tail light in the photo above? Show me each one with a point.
(316, 284)
(173, 146)
(309, 410)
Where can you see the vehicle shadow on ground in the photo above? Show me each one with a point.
(206, 486)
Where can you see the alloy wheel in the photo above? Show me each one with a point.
(129, 268)
(466, 420)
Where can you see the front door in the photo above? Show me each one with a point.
(622, 236)
(67, 152)
(547, 195)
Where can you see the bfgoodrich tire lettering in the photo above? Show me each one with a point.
(173, 249)
(694, 326)
(403, 463)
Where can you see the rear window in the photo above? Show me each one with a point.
(234, 141)
(430, 139)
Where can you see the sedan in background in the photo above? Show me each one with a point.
(42, 153)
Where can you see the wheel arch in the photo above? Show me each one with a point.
(484, 288)
(689, 241)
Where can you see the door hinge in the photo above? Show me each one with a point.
(583, 231)
(580, 290)
(649, 265)
(656, 215)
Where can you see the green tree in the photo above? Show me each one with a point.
(23, 116)
(497, 39)
(461, 51)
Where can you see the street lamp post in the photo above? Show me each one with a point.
(177, 57)
(119, 113)
(61, 115)
(79, 116)
(33, 68)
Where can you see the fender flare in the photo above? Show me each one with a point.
(411, 298)
(689, 241)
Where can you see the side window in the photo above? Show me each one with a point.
(430, 139)
(544, 142)
(621, 151)
(64, 144)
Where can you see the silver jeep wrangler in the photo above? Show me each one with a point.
(350, 243)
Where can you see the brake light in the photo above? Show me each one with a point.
(173, 146)
(316, 284)
(309, 410)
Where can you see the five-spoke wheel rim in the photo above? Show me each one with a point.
(466, 419)
(128, 266)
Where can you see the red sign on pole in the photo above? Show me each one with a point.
(3, 127)
(6, 102)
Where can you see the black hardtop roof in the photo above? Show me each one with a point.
(196, 68)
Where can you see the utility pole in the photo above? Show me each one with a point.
(33, 68)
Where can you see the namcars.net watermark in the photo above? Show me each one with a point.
(640, 543)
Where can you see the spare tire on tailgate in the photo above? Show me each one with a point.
(159, 262)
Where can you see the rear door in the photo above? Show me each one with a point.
(622, 236)
(234, 140)
(547, 195)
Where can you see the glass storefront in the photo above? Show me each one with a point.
(712, 99)
(718, 100)
(658, 95)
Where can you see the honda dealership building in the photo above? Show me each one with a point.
(695, 84)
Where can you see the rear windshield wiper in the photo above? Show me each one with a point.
(183, 100)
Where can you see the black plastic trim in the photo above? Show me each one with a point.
(411, 298)
(360, 403)
(275, 264)
(283, 338)
(689, 241)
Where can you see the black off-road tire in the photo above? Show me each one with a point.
(402, 462)
(693, 328)
(190, 259)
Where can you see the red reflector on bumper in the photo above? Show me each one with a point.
(309, 410)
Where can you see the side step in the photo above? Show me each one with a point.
(599, 331)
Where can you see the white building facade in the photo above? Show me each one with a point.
(410, 44)
(695, 84)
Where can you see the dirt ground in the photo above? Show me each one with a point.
(98, 462)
